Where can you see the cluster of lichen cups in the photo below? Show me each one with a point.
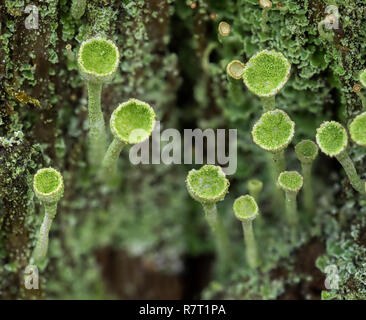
(131, 122)
(98, 60)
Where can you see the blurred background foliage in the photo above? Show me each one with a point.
(148, 238)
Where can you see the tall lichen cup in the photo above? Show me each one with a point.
(255, 187)
(131, 122)
(273, 132)
(234, 71)
(98, 60)
(332, 139)
(291, 182)
(307, 151)
(208, 185)
(265, 74)
(246, 210)
(48, 187)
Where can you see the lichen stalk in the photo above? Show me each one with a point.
(308, 190)
(41, 248)
(250, 244)
(351, 172)
(218, 229)
(291, 208)
(279, 162)
(268, 103)
(97, 131)
(109, 164)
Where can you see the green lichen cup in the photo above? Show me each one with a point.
(357, 129)
(291, 182)
(265, 74)
(274, 131)
(98, 59)
(48, 185)
(332, 140)
(255, 187)
(208, 185)
(131, 122)
(246, 210)
(307, 151)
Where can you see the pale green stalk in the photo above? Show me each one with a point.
(40, 251)
(291, 208)
(222, 240)
(351, 172)
(109, 164)
(250, 244)
(308, 190)
(279, 162)
(97, 132)
(268, 103)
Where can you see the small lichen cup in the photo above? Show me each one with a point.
(307, 151)
(265, 74)
(291, 182)
(224, 30)
(48, 187)
(357, 129)
(246, 210)
(234, 72)
(273, 132)
(131, 122)
(255, 187)
(98, 60)
(332, 140)
(209, 185)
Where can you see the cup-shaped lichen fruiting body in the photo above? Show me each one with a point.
(98, 59)
(48, 185)
(131, 122)
(207, 185)
(265, 74)
(235, 69)
(273, 132)
(246, 210)
(291, 182)
(224, 29)
(363, 78)
(307, 151)
(255, 187)
(332, 139)
(357, 129)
